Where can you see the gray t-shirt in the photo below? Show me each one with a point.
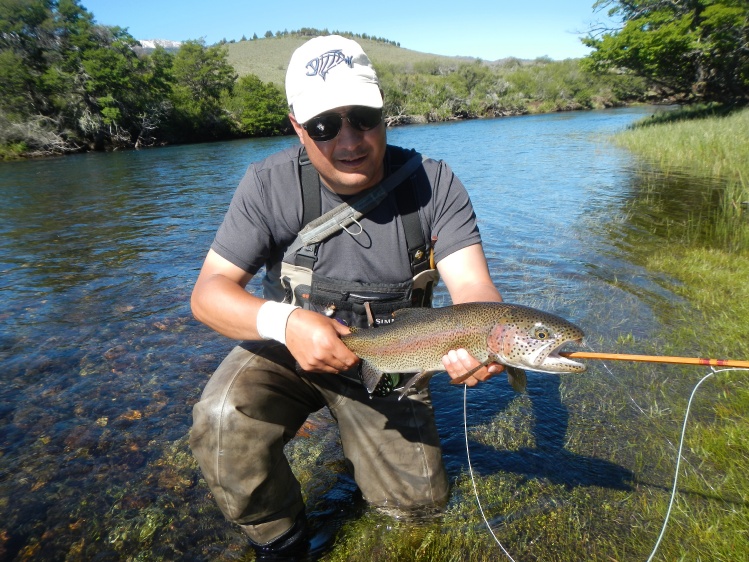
(265, 216)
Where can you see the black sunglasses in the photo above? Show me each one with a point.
(326, 127)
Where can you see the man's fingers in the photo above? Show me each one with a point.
(458, 362)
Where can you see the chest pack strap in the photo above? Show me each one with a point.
(311, 198)
(408, 207)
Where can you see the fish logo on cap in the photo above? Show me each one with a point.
(326, 62)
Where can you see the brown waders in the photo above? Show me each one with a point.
(256, 402)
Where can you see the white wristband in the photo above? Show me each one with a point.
(271, 320)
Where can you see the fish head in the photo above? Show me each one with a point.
(527, 338)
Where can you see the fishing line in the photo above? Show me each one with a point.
(678, 458)
(680, 448)
(470, 470)
(676, 470)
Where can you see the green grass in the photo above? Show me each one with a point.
(715, 146)
(714, 324)
(708, 159)
(711, 272)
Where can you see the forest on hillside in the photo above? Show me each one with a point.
(68, 84)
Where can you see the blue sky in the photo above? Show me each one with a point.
(487, 29)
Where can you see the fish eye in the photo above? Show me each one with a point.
(541, 333)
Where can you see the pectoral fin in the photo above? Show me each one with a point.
(517, 379)
(417, 383)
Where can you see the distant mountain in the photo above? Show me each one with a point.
(150, 44)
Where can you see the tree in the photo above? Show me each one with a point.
(101, 85)
(694, 49)
(26, 37)
(258, 108)
(202, 76)
(75, 81)
(16, 84)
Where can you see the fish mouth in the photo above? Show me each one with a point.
(548, 359)
(567, 364)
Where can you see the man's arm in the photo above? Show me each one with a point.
(220, 301)
(466, 276)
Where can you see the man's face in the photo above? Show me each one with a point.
(350, 162)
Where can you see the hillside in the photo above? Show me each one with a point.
(267, 58)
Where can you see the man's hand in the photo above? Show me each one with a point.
(458, 362)
(315, 342)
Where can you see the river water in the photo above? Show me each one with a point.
(102, 361)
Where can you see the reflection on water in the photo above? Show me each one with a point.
(102, 360)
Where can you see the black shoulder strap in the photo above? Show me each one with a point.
(408, 207)
(311, 206)
(311, 199)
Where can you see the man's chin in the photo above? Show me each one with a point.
(351, 183)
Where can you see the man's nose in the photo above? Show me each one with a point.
(349, 135)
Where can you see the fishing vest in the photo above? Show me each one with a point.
(361, 305)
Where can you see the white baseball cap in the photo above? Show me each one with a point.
(328, 72)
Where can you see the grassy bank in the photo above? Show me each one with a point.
(712, 150)
(707, 257)
(716, 145)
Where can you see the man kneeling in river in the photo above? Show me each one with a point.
(291, 361)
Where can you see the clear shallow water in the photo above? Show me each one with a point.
(102, 361)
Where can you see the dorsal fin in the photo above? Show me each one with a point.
(403, 313)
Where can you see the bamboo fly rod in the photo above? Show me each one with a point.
(657, 359)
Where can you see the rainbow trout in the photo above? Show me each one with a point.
(516, 336)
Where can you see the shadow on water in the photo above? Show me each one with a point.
(546, 419)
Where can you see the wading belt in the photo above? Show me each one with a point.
(317, 227)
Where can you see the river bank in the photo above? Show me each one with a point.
(707, 259)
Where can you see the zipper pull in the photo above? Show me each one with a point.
(370, 316)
